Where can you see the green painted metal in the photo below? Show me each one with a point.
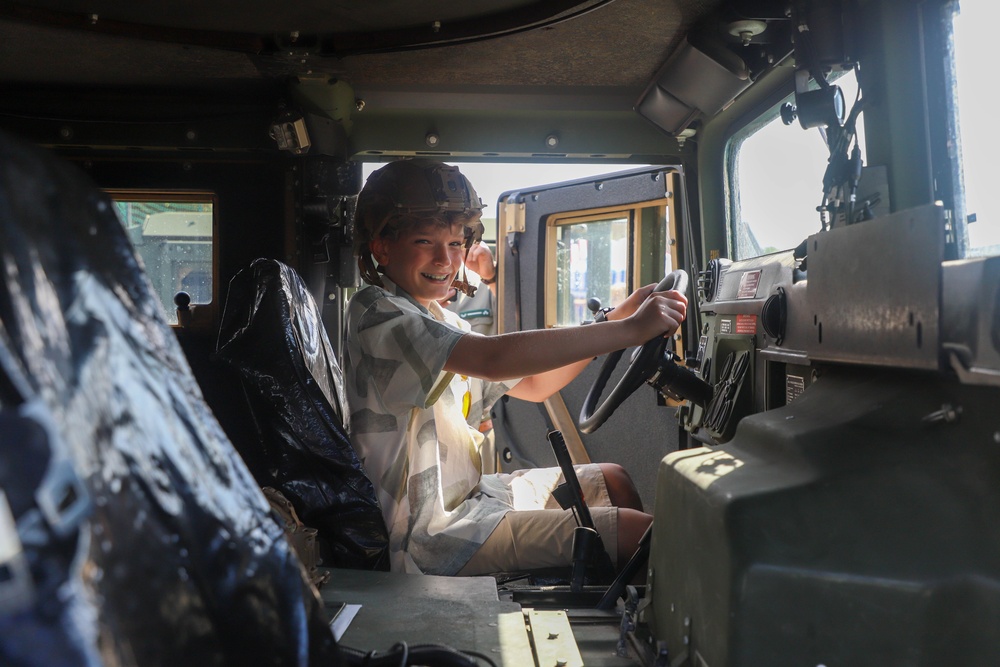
(854, 526)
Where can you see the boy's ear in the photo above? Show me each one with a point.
(380, 250)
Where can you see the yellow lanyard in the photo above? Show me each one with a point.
(467, 398)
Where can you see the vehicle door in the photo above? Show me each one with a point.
(561, 246)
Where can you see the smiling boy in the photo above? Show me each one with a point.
(419, 383)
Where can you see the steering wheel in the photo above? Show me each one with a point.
(645, 362)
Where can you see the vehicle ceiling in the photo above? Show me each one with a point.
(531, 56)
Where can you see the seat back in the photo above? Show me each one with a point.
(272, 334)
(131, 531)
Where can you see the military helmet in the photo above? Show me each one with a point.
(408, 191)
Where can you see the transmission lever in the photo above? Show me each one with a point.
(587, 543)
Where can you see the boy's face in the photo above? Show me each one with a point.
(424, 260)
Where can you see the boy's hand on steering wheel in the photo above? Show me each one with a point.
(631, 303)
(674, 302)
(656, 313)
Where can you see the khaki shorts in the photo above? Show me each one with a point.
(537, 533)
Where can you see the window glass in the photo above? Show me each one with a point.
(174, 239)
(978, 139)
(592, 261)
(777, 181)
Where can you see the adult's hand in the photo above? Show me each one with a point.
(480, 260)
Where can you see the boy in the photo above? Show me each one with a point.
(419, 382)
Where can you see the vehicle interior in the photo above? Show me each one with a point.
(815, 444)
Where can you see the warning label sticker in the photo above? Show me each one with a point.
(746, 324)
(794, 386)
(748, 285)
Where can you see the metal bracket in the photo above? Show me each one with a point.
(61, 497)
(629, 618)
(512, 215)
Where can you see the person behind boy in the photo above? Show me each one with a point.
(419, 383)
(479, 310)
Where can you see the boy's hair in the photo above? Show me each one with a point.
(406, 193)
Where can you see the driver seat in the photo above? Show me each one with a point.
(272, 335)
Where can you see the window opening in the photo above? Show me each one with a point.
(174, 235)
(977, 142)
(776, 180)
(605, 255)
(592, 260)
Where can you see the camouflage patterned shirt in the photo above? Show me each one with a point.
(415, 427)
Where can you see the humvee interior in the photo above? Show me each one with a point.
(817, 444)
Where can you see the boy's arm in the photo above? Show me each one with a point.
(549, 358)
(539, 387)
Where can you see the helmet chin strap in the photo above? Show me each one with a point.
(464, 287)
(473, 235)
(461, 283)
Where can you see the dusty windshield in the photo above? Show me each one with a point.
(975, 125)
(778, 182)
(777, 171)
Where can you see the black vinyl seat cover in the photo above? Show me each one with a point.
(272, 334)
(131, 532)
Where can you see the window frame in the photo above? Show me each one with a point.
(203, 315)
(633, 213)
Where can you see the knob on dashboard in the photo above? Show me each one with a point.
(183, 302)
